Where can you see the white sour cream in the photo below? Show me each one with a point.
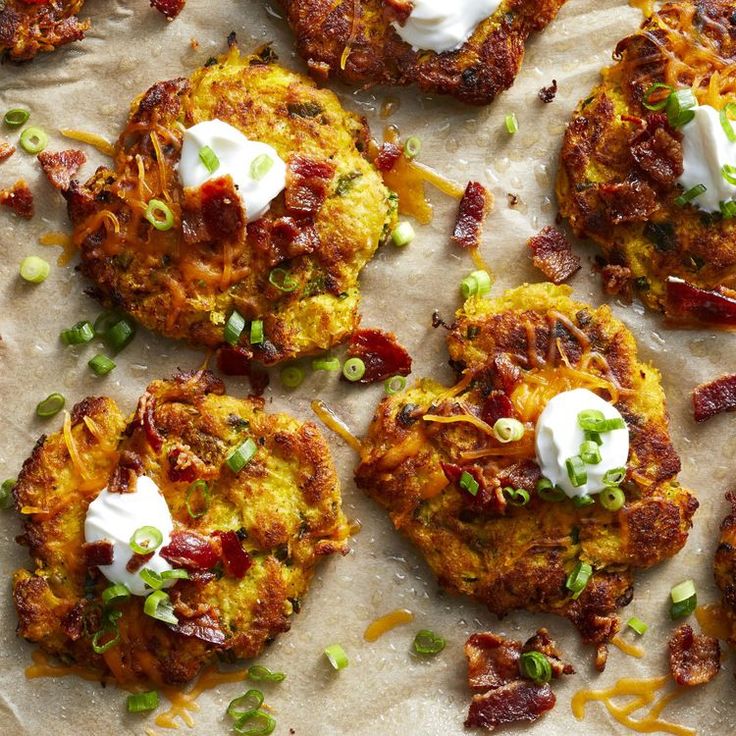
(706, 149)
(116, 516)
(236, 155)
(444, 25)
(559, 437)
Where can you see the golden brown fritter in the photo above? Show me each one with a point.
(282, 508)
(354, 41)
(725, 568)
(619, 161)
(27, 28)
(513, 354)
(185, 282)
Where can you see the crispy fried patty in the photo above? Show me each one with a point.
(185, 282)
(354, 41)
(617, 179)
(725, 569)
(524, 348)
(284, 507)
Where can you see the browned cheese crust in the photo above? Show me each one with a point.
(513, 352)
(354, 41)
(284, 506)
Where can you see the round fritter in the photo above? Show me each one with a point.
(185, 282)
(524, 348)
(284, 507)
(619, 161)
(27, 28)
(725, 569)
(354, 41)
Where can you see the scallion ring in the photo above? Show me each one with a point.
(412, 147)
(478, 283)
(661, 101)
(50, 406)
(175, 574)
(256, 332)
(547, 491)
(535, 666)
(578, 579)
(198, 498)
(209, 158)
(427, 643)
(282, 280)
(512, 124)
(6, 493)
(291, 376)
(80, 333)
(728, 209)
(680, 106)
(336, 656)
(582, 501)
(353, 369)
(159, 214)
(101, 365)
(394, 384)
(590, 419)
(115, 594)
(241, 456)
(402, 234)
(637, 625)
(34, 269)
(100, 647)
(258, 723)
(234, 328)
(576, 471)
(728, 172)
(158, 606)
(508, 429)
(612, 498)
(141, 702)
(516, 496)
(326, 364)
(146, 539)
(245, 704)
(260, 166)
(120, 334)
(590, 452)
(684, 599)
(614, 477)
(33, 140)
(690, 195)
(258, 673)
(728, 110)
(16, 117)
(468, 483)
(151, 578)
(104, 321)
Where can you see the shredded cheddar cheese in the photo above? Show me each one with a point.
(94, 140)
(383, 624)
(328, 417)
(59, 240)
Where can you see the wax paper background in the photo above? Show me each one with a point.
(384, 690)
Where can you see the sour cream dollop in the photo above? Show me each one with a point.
(439, 25)
(706, 149)
(236, 155)
(559, 437)
(116, 516)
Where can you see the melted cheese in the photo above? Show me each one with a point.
(713, 620)
(627, 647)
(97, 141)
(383, 624)
(328, 417)
(60, 240)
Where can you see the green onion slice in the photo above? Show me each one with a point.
(412, 147)
(516, 496)
(512, 124)
(549, 492)
(151, 578)
(590, 419)
(109, 627)
(507, 429)
(234, 328)
(661, 100)
(478, 283)
(159, 214)
(258, 673)
(684, 600)
(690, 194)
(680, 106)
(402, 234)
(198, 498)
(245, 704)
(683, 591)
(582, 501)
(726, 115)
(258, 723)
(101, 365)
(34, 269)
(281, 279)
(536, 667)
(51, 405)
(468, 483)
(576, 471)
(175, 574)
(209, 158)
(326, 364)
(146, 539)
(158, 606)
(728, 209)
(260, 166)
(728, 172)
(614, 477)
(637, 625)
(16, 117)
(353, 369)
(118, 335)
(241, 456)
(115, 594)
(427, 643)
(612, 498)
(80, 333)
(590, 452)
(256, 332)
(394, 384)
(578, 579)
(592, 437)
(6, 493)
(105, 320)
(291, 376)
(336, 656)
(33, 140)
(141, 702)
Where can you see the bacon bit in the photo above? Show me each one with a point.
(387, 157)
(137, 561)
(714, 397)
(695, 659)
(236, 560)
(182, 465)
(6, 150)
(284, 238)
(72, 622)
(542, 642)
(493, 661)
(238, 361)
(629, 201)
(547, 94)
(170, 9)
(617, 280)
(520, 700)
(306, 185)
(552, 254)
(486, 500)
(685, 302)
(61, 166)
(97, 553)
(129, 467)
(221, 210)
(524, 474)
(145, 418)
(473, 209)
(659, 155)
(399, 10)
(381, 353)
(205, 627)
(18, 198)
(497, 406)
(189, 550)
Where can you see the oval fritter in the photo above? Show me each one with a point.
(619, 164)
(185, 282)
(354, 40)
(725, 569)
(284, 506)
(516, 352)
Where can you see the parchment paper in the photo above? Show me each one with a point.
(384, 690)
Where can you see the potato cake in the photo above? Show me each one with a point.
(623, 158)
(185, 261)
(479, 509)
(725, 569)
(248, 538)
(355, 41)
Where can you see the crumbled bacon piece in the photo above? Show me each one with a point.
(388, 155)
(124, 476)
(182, 465)
(517, 701)
(547, 94)
(238, 361)
(168, 8)
(381, 353)
(61, 166)
(523, 474)
(685, 302)
(493, 660)
(145, 418)
(659, 156)
(190, 550)
(284, 238)
(307, 181)
(473, 210)
(18, 198)
(137, 561)
(97, 553)
(399, 10)
(486, 500)
(552, 254)
(6, 150)
(222, 212)
(236, 560)
(497, 406)
(617, 280)
(542, 642)
(205, 627)
(629, 201)
(694, 658)
(714, 397)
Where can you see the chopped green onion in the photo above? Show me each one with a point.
(728, 209)
(426, 643)
(140, 702)
(353, 369)
(281, 279)
(34, 269)
(468, 483)
(241, 456)
(119, 335)
(412, 147)
(158, 606)
(258, 673)
(101, 648)
(257, 723)
(146, 539)
(578, 579)
(175, 574)
(661, 103)
(590, 452)
(536, 667)
(115, 594)
(159, 214)
(209, 158)
(612, 498)
(637, 625)
(729, 109)
(728, 172)
(200, 489)
(516, 496)
(151, 578)
(336, 656)
(245, 704)
(512, 124)
(549, 492)
(6, 493)
(326, 364)
(684, 599)
(105, 320)
(16, 117)
(234, 327)
(50, 406)
(507, 429)
(402, 234)
(394, 384)
(101, 365)
(81, 333)
(590, 419)
(33, 140)
(690, 194)
(592, 437)
(291, 376)
(576, 471)
(260, 166)
(477, 283)
(256, 332)
(582, 501)
(680, 106)
(614, 477)
(682, 591)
